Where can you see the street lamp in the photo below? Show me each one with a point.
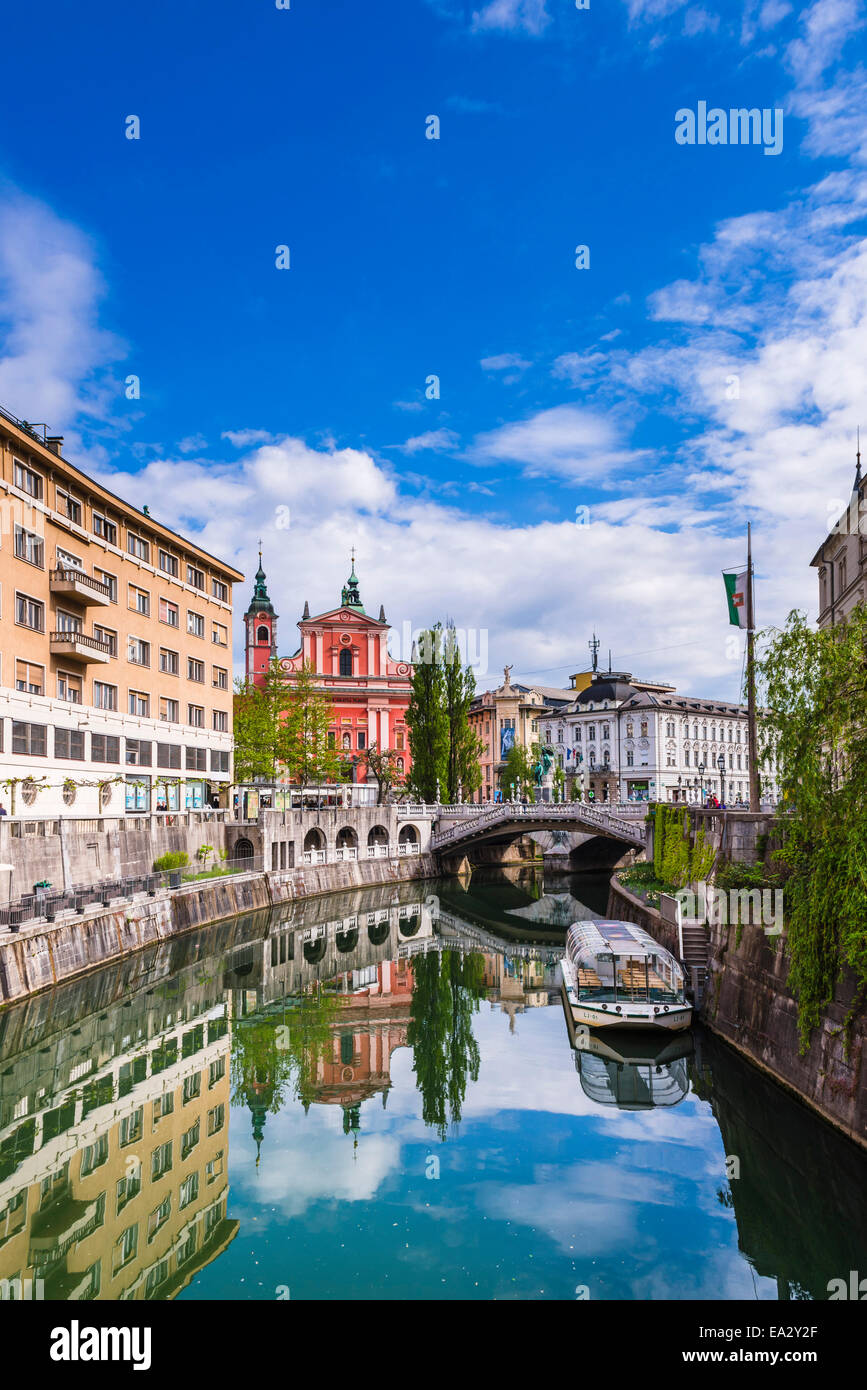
(721, 764)
(701, 770)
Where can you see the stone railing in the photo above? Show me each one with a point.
(580, 813)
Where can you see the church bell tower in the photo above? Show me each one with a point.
(261, 624)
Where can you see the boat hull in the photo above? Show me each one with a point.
(633, 1018)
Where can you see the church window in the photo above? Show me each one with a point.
(345, 663)
(332, 738)
(362, 738)
(263, 635)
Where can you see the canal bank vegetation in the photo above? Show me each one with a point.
(677, 861)
(813, 691)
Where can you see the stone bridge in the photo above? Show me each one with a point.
(502, 823)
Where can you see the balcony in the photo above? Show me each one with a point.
(74, 583)
(77, 646)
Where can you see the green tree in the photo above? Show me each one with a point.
(463, 770)
(383, 766)
(427, 719)
(517, 773)
(812, 690)
(446, 988)
(256, 734)
(309, 754)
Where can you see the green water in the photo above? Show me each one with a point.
(374, 1096)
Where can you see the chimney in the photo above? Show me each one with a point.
(54, 442)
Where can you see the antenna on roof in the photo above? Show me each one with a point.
(593, 644)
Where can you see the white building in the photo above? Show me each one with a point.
(627, 740)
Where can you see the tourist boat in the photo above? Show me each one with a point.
(616, 976)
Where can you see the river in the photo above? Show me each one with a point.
(373, 1096)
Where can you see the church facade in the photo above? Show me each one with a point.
(348, 652)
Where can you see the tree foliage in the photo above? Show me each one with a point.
(445, 750)
(812, 688)
(281, 729)
(382, 764)
(447, 986)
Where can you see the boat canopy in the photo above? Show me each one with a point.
(621, 961)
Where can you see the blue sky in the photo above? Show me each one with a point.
(706, 368)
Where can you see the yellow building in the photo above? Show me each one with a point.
(115, 663)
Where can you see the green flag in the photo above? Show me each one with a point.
(736, 593)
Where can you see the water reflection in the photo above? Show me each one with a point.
(345, 1043)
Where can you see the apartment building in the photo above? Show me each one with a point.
(115, 660)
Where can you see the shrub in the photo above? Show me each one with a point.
(173, 859)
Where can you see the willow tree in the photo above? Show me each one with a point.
(812, 688)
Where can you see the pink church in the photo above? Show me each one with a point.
(348, 651)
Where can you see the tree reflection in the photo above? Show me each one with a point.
(447, 987)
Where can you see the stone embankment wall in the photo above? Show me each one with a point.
(41, 956)
(748, 1003)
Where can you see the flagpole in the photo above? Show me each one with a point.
(755, 794)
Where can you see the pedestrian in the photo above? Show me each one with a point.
(3, 810)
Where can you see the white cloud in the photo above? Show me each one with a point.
(527, 16)
(436, 440)
(579, 367)
(562, 442)
(244, 439)
(193, 444)
(503, 361)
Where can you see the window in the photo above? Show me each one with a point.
(196, 716)
(220, 591)
(104, 748)
(263, 635)
(332, 739)
(69, 688)
(216, 1119)
(188, 1191)
(169, 563)
(137, 546)
(139, 601)
(195, 624)
(216, 1072)
(29, 738)
(169, 755)
(345, 662)
(161, 1160)
(221, 678)
(138, 752)
(686, 757)
(398, 742)
(169, 710)
(101, 526)
(219, 761)
(197, 759)
(630, 757)
(67, 505)
(158, 1217)
(131, 1127)
(138, 652)
(192, 1087)
(29, 677)
(107, 635)
(195, 670)
(93, 1156)
(69, 743)
(168, 661)
(591, 732)
(195, 577)
(125, 1248)
(129, 1186)
(220, 635)
(29, 547)
(68, 622)
(214, 1169)
(169, 613)
(644, 728)
(29, 612)
(28, 481)
(221, 723)
(362, 738)
(606, 731)
(139, 704)
(110, 582)
(164, 1105)
(189, 1140)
